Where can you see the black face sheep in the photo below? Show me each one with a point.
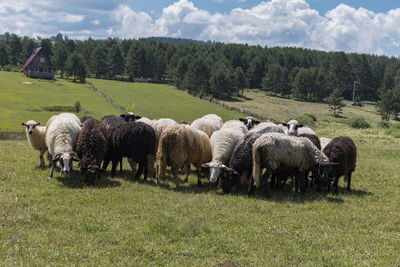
(129, 117)
(84, 118)
(91, 146)
(249, 122)
(241, 163)
(111, 121)
(36, 136)
(61, 133)
(135, 140)
(343, 153)
(273, 150)
(181, 145)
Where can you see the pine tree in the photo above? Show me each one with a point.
(335, 102)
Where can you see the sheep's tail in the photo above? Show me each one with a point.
(161, 159)
(256, 166)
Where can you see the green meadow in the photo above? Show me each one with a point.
(121, 222)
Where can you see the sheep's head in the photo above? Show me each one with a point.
(129, 117)
(249, 122)
(292, 126)
(215, 170)
(325, 168)
(92, 171)
(30, 126)
(230, 177)
(65, 160)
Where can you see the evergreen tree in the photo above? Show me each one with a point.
(15, 49)
(98, 63)
(255, 72)
(28, 45)
(115, 61)
(47, 47)
(3, 54)
(335, 102)
(75, 66)
(60, 57)
(239, 80)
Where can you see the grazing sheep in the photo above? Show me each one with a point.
(249, 122)
(36, 136)
(273, 150)
(91, 146)
(111, 121)
(61, 134)
(181, 145)
(241, 163)
(84, 118)
(343, 153)
(208, 124)
(135, 140)
(324, 141)
(235, 124)
(129, 117)
(223, 143)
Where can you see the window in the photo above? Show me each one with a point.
(42, 60)
(37, 69)
(45, 70)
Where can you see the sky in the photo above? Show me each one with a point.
(361, 26)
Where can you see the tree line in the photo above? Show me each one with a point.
(220, 70)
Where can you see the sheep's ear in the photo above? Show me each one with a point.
(256, 122)
(137, 117)
(37, 124)
(23, 124)
(231, 170)
(285, 124)
(334, 163)
(242, 119)
(205, 165)
(56, 157)
(74, 156)
(300, 125)
(122, 115)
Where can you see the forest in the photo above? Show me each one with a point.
(218, 69)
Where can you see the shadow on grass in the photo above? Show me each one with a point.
(76, 180)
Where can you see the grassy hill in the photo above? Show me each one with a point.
(282, 109)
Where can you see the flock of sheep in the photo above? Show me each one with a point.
(233, 153)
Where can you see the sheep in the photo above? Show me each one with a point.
(343, 153)
(272, 126)
(180, 145)
(292, 127)
(111, 121)
(62, 131)
(36, 136)
(129, 116)
(91, 146)
(241, 164)
(324, 141)
(273, 150)
(223, 143)
(208, 124)
(235, 124)
(84, 118)
(135, 140)
(249, 122)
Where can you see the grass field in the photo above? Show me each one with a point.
(283, 109)
(124, 222)
(161, 101)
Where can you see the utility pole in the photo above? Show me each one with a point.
(354, 90)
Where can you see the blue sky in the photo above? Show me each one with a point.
(331, 25)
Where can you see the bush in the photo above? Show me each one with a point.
(60, 108)
(384, 124)
(77, 106)
(358, 122)
(307, 119)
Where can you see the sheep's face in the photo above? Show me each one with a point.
(130, 117)
(65, 160)
(92, 172)
(292, 128)
(30, 126)
(249, 122)
(230, 178)
(215, 170)
(325, 168)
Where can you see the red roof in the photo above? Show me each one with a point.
(35, 52)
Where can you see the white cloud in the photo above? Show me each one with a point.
(95, 22)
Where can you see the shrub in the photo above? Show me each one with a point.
(306, 119)
(77, 106)
(60, 108)
(384, 124)
(358, 122)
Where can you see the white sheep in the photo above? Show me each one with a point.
(295, 128)
(223, 142)
(235, 124)
(181, 145)
(36, 136)
(267, 124)
(324, 141)
(62, 131)
(208, 124)
(273, 150)
(249, 122)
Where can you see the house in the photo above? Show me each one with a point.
(38, 65)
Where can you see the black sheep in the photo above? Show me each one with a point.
(135, 140)
(342, 152)
(129, 117)
(111, 121)
(91, 146)
(241, 160)
(84, 118)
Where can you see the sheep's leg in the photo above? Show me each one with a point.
(49, 158)
(105, 164)
(306, 179)
(251, 186)
(296, 184)
(264, 184)
(41, 158)
(177, 181)
(113, 167)
(187, 167)
(199, 178)
(303, 177)
(272, 182)
(139, 171)
(335, 185)
(52, 169)
(348, 181)
(120, 164)
(146, 169)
